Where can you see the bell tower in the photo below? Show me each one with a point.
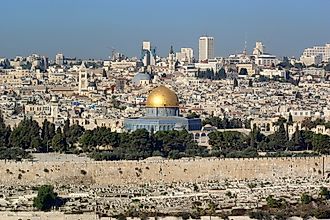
(83, 78)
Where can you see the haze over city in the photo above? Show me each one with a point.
(90, 29)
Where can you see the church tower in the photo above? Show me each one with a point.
(83, 78)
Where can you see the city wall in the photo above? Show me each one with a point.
(151, 171)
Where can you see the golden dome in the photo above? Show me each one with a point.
(162, 97)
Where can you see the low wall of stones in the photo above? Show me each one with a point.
(150, 171)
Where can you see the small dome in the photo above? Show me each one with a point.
(178, 127)
(162, 97)
(208, 127)
(54, 99)
(140, 76)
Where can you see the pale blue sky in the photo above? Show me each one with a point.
(89, 28)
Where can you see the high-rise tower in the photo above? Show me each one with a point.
(59, 59)
(206, 48)
(148, 54)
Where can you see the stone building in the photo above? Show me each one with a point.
(162, 114)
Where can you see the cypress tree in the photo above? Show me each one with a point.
(66, 127)
(235, 83)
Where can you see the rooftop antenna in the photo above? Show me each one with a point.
(113, 51)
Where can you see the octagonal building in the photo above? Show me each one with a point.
(162, 114)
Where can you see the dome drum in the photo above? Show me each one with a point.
(162, 111)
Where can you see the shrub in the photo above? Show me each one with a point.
(324, 192)
(46, 198)
(260, 215)
(274, 203)
(305, 198)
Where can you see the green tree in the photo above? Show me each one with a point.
(59, 143)
(51, 130)
(290, 119)
(256, 137)
(321, 143)
(262, 215)
(271, 202)
(274, 203)
(235, 83)
(227, 141)
(74, 133)
(7, 151)
(298, 140)
(174, 154)
(250, 83)
(46, 198)
(324, 193)
(26, 135)
(47, 134)
(305, 198)
(104, 73)
(44, 130)
(5, 132)
(193, 115)
(307, 139)
(307, 123)
(279, 140)
(139, 145)
(66, 128)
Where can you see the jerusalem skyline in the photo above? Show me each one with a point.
(165, 110)
(88, 30)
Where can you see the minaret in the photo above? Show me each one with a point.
(171, 61)
(54, 107)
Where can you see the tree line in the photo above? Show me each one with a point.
(226, 123)
(16, 142)
(100, 143)
(211, 74)
(235, 144)
(103, 144)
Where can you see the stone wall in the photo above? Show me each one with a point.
(90, 216)
(151, 171)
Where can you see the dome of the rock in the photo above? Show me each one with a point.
(162, 97)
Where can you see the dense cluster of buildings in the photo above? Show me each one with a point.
(166, 93)
(115, 93)
(317, 53)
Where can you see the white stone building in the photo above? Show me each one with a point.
(316, 50)
(206, 48)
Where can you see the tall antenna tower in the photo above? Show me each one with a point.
(113, 53)
(245, 43)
